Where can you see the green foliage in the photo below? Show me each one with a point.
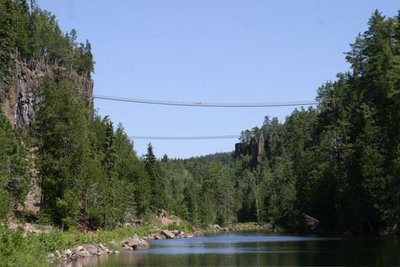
(67, 209)
(33, 250)
(191, 202)
(36, 36)
(9, 13)
(16, 250)
(338, 162)
(5, 205)
(48, 43)
(201, 190)
(112, 170)
(14, 178)
(61, 131)
(157, 183)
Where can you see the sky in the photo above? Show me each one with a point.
(211, 51)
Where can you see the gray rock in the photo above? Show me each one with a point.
(168, 234)
(57, 254)
(82, 253)
(92, 249)
(21, 103)
(67, 252)
(103, 249)
(158, 237)
(126, 247)
(176, 232)
(135, 243)
(216, 227)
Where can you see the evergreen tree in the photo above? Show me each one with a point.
(157, 183)
(14, 178)
(61, 129)
(192, 203)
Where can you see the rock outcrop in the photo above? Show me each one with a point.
(19, 103)
(168, 234)
(30, 229)
(257, 147)
(83, 251)
(174, 234)
(21, 99)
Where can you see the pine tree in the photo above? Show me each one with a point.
(14, 178)
(157, 181)
(61, 129)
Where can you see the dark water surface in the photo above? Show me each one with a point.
(260, 249)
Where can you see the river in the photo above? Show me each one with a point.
(260, 249)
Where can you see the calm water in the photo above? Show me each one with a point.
(260, 249)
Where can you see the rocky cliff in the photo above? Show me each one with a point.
(21, 98)
(256, 148)
(20, 102)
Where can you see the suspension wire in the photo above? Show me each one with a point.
(204, 104)
(184, 137)
(198, 104)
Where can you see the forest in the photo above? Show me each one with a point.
(337, 162)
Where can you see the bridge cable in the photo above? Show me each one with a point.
(205, 104)
(184, 137)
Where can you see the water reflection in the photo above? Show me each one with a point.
(231, 244)
(260, 250)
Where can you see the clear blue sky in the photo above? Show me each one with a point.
(211, 51)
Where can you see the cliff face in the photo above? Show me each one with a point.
(20, 103)
(257, 148)
(21, 100)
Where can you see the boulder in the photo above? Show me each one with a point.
(216, 228)
(158, 237)
(68, 253)
(103, 249)
(79, 252)
(168, 234)
(176, 232)
(82, 253)
(57, 254)
(126, 247)
(92, 249)
(310, 221)
(135, 243)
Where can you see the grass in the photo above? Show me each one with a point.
(16, 250)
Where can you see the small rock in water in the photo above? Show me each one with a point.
(135, 243)
(168, 234)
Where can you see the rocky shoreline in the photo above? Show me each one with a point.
(136, 242)
(129, 242)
